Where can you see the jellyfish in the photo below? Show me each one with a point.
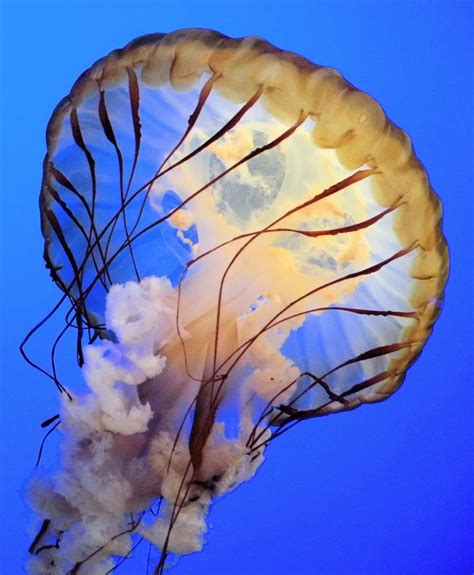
(243, 241)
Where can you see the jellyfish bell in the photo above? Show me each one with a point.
(254, 243)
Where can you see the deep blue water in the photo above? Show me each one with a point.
(383, 490)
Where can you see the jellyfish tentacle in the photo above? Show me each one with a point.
(30, 334)
(110, 135)
(43, 529)
(79, 140)
(79, 564)
(122, 560)
(63, 180)
(59, 234)
(134, 92)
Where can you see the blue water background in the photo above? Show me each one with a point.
(383, 490)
